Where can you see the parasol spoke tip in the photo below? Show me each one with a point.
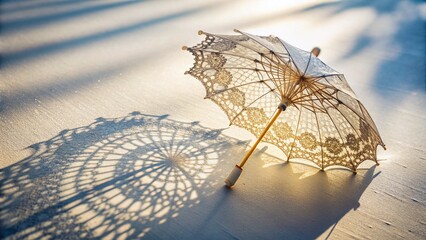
(316, 51)
(200, 32)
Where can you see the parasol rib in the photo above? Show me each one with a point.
(242, 85)
(295, 136)
(270, 76)
(236, 42)
(307, 65)
(226, 53)
(245, 108)
(263, 45)
(322, 153)
(355, 112)
(341, 137)
(320, 138)
(231, 68)
(298, 70)
(343, 115)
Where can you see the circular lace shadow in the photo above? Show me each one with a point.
(114, 178)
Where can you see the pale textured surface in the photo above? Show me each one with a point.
(78, 159)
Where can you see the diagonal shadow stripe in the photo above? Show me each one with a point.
(50, 48)
(31, 22)
(9, 10)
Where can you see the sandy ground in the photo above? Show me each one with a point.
(103, 136)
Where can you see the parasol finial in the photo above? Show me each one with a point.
(316, 51)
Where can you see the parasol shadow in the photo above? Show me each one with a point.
(115, 178)
(145, 176)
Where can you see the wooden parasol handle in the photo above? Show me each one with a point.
(281, 108)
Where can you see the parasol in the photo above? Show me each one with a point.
(287, 97)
